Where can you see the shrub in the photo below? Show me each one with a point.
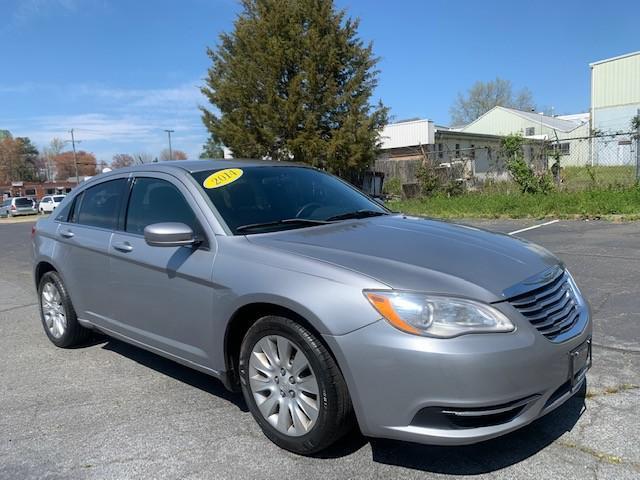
(520, 171)
(428, 179)
(392, 186)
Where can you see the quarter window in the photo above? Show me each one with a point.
(155, 201)
(100, 205)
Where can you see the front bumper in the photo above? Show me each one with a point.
(456, 391)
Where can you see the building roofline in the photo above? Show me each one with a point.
(405, 122)
(462, 133)
(631, 54)
(520, 113)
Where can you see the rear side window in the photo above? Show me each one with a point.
(154, 201)
(23, 202)
(100, 204)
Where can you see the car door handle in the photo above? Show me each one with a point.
(67, 234)
(123, 247)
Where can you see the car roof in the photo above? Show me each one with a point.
(193, 166)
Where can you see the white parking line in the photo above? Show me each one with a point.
(534, 226)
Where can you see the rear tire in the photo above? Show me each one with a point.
(281, 365)
(58, 316)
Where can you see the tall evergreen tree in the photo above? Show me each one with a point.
(294, 82)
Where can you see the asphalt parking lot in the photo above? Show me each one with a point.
(109, 410)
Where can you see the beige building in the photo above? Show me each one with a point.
(569, 132)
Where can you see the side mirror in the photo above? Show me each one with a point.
(169, 234)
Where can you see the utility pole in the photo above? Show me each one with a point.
(169, 132)
(75, 156)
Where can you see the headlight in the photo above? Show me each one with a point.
(577, 294)
(435, 315)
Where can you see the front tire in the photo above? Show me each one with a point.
(293, 386)
(57, 313)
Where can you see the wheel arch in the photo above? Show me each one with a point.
(240, 322)
(42, 267)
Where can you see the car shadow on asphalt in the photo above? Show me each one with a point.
(175, 370)
(487, 456)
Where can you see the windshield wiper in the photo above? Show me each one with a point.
(357, 214)
(286, 221)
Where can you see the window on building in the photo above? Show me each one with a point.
(30, 192)
(440, 155)
(457, 150)
(562, 148)
(472, 151)
(50, 191)
(529, 131)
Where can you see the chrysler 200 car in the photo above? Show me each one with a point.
(323, 307)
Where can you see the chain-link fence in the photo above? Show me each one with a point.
(573, 163)
(595, 161)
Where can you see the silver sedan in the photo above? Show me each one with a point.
(322, 306)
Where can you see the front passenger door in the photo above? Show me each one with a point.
(163, 296)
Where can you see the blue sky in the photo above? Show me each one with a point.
(122, 71)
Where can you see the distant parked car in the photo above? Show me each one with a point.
(49, 203)
(12, 207)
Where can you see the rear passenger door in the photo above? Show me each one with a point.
(163, 296)
(82, 250)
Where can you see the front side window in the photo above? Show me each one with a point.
(100, 204)
(284, 197)
(155, 201)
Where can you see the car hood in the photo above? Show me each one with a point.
(417, 254)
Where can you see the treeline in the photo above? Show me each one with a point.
(21, 160)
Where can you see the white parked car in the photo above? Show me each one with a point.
(49, 203)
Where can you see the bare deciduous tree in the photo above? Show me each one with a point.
(483, 96)
(176, 154)
(121, 160)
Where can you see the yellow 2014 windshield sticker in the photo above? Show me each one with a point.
(222, 178)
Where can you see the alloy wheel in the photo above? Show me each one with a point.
(283, 385)
(53, 310)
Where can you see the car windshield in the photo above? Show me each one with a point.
(24, 202)
(263, 199)
(58, 198)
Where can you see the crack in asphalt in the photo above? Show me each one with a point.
(625, 387)
(598, 455)
(616, 349)
(18, 307)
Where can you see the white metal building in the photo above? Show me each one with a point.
(615, 100)
(404, 144)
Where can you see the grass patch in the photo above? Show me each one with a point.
(578, 178)
(621, 203)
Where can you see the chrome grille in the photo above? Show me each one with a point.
(551, 307)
